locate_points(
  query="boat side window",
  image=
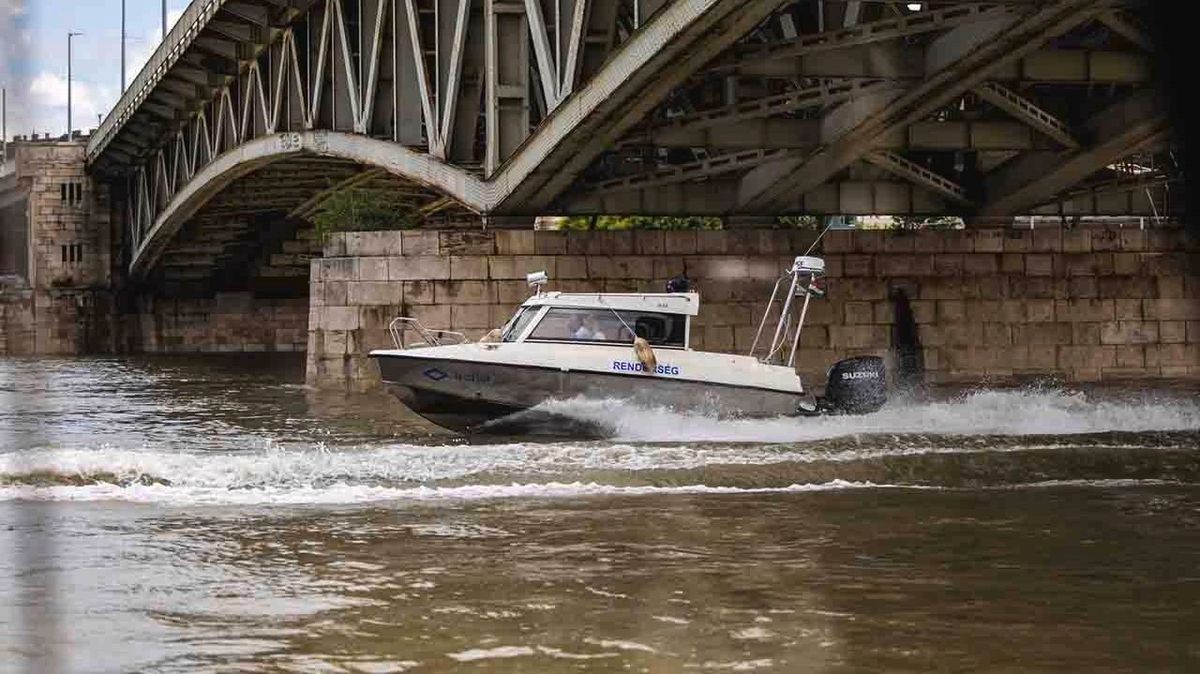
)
(518, 323)
(605, 326)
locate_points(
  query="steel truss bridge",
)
(253, 112)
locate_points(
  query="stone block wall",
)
(1083, 305)
(988, 305)
(227, 323)
(69, 217)
(67, 255)
(16, 320)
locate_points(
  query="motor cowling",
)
(856, 386)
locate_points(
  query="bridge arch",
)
(686, 107)
(417, 167)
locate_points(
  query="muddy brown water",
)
(207, 514)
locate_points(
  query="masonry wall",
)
(16, 320)
(66, 260)
(988, 305)
(228, 323)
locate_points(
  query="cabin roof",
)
(664, 303)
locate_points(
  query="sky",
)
(33, 57)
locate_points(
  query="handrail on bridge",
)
(194, 19)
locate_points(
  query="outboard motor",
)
(855, 386)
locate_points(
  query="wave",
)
(985, 412)
(348, 494)
(656, 451)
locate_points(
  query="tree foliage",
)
(800, 221)
(934, 222)
(365, 209)
(622, 222)
(619, 222)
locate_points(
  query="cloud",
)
(139, 56)
(48, 96)
(14, 63)
(33, 64)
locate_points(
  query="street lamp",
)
(123, 46)
(70, 132)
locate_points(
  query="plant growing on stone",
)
(363, 209)
(936, 222)
(623, 222)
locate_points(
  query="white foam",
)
(620, 645)
(986, 412)
(275, 474)
(345, 494)
(401, 466)
(474, 654)
(389, 465)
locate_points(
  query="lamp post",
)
(70, 132)
(164, 19)
(123, 38)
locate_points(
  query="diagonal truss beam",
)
(706, 168)
(817, 96)
(894, 28)
(1119, 24)
(1133, 125)
(682, 38)
(915, 173)
(962, 59)
(1027, 111)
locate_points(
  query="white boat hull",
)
(465, 386)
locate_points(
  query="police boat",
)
(628, 346)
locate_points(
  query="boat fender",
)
(645, 355)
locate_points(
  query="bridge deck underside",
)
(258, 234)
(668, 107)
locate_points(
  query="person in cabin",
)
(593, 328)
(576, 329)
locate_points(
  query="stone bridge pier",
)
(998, 306)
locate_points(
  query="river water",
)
(173, 515)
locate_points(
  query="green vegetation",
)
(364, 209)
(801, 222)
(617, 222)
(936, 222)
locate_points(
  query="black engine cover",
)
(856, 386)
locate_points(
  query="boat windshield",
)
(606, 326)
(518, 323)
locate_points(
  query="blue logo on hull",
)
(435, 374)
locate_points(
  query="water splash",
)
(657, 451)
(347, 494)
(985, 412)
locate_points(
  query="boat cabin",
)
(662, 319)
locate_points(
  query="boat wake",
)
(985, 439)
(984, 412)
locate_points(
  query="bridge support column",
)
(996, 305)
